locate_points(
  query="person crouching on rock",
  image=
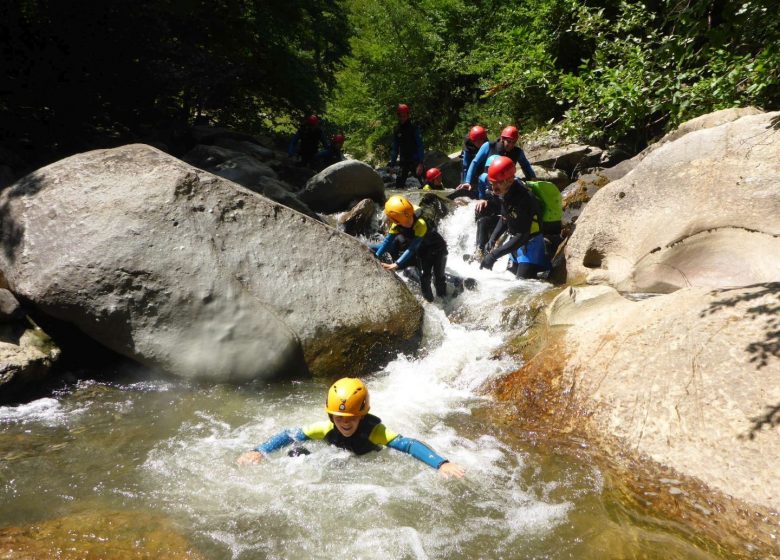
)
(520, 212)
(424, 246)
(433, 180)
(351, 427)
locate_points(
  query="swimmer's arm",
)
(283, 439)
(380, 435)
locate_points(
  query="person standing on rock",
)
(407, 148)
(307, 141)
(520, 215)
(424, 246)
(476, 137)
(505, 146)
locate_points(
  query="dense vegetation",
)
(608, 71)
(83, 74)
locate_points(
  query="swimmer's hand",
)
(250, 458)
(451, 469)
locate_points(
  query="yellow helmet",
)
(399, 209)
(347, 397)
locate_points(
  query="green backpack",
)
(549, 198)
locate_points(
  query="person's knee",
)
(526, 270)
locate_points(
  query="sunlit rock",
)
(690, 379)
(698, 211)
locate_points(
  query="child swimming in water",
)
(352, 427)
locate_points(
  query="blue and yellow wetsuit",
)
(370, 435)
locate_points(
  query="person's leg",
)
(485, 227)
(440, 278)
(526, 270)
(426, 266)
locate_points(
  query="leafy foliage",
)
(608, 71)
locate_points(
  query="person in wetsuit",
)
(425, 247)
(520, 215)
(407, 148)
(306, 142)
(351, 427)
(333, 154)
(433, 180)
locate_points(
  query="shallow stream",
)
(142, 448)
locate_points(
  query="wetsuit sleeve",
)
(407, 255)
(511, 245)
(387, 244)
(477, 163)
(525, 165)
(318, 430)
(282, 439)
(482, 186)
(497, 231)
(418, 450)
(420, 147)
(420, 228)
(292, 149)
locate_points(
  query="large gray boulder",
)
(335, 188)
(690, 380)
(698, 211)
(182, 270)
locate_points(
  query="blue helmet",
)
(490, 160)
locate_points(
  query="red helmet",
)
(312, 120)
(477, 133)
(402, 109)
(501, 169)
(510, 132)
(432, 174)
(337, 139)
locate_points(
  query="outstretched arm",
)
(282, 439)
(422, 452)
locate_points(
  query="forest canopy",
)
(80, 75)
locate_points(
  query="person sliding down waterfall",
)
(519, 210)
(425, 247)
(351, 427)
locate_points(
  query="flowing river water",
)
(149, 462)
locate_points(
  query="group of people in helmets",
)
(525, 214)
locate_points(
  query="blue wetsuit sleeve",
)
(418, 450)
(282, 439)
(477, 163)
(292, 149)
(466, 162)
(386, 244)
(407, 255)
(420, 147)
(525, 165)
